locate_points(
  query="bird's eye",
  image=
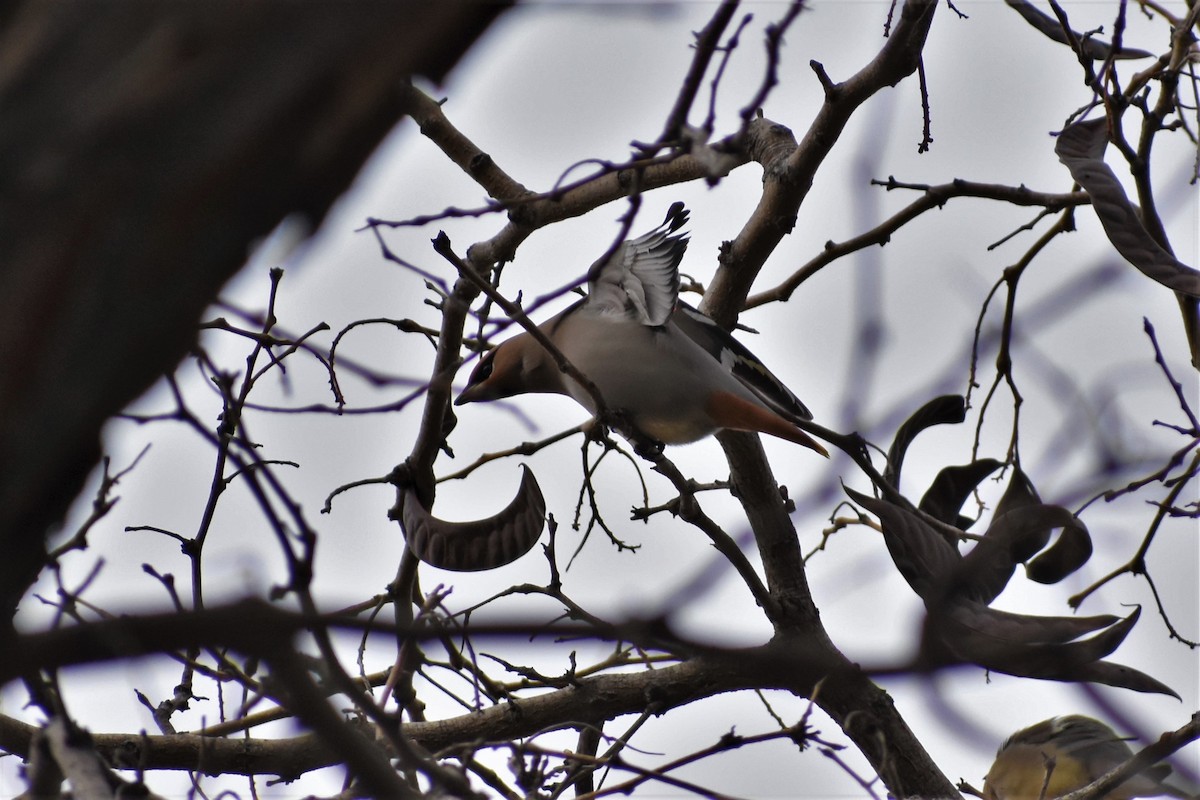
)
(484, 371)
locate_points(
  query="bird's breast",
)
(654, 375)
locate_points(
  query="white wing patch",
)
(736, 359)
(641, 279)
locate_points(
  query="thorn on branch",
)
(829, 87)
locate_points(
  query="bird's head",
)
(516, 366)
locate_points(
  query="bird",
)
(1063, 754)
(666, 368)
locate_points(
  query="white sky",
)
(550, 86)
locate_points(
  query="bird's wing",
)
(739, 361)
(640, 280)
(1077, 732)
(1098, 746)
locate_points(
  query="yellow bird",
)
(1059, 755)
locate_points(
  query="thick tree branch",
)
(788, 176)
(788, 168)
(144, 149)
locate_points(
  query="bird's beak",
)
(474, 393)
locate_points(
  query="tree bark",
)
(145, 148)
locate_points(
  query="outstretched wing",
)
(641, 278)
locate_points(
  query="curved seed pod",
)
(951, 488)
(961, 627)
(950, 409)
(479, 544)
(1047, 648)
(1092, 47)
(1081, 149)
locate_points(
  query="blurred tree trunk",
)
(144, 148)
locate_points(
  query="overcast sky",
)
(552, 85)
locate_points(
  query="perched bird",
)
(1064, 754)
(671, 371)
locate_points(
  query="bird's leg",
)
(645, 446)
(596, 431)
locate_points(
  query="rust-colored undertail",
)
(730, 411)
